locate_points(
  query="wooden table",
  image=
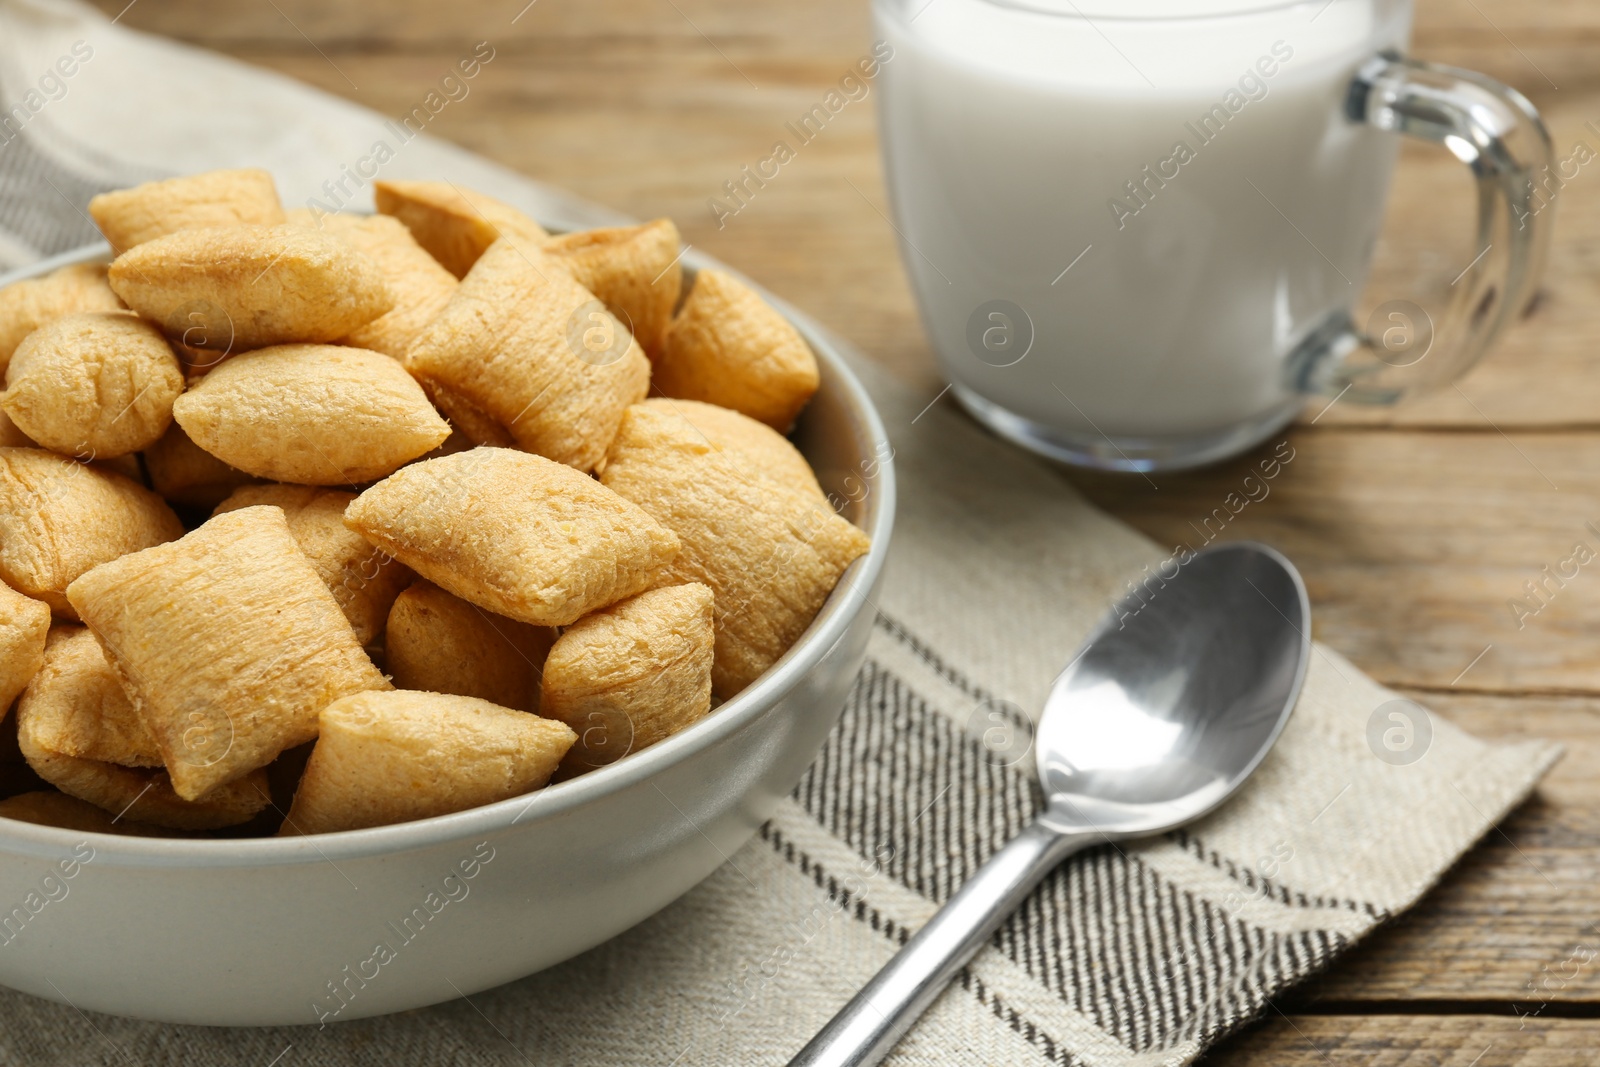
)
(1413, 528)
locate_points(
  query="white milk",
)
(1012, 134)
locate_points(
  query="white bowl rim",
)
(848, 599)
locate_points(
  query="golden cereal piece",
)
(11, 437)
(455, 225)
(24, 628)
(524, 352)
(456, 442)
(632, 674)
(27, 305)
(731, 348)
(228, 643)
(93, 383)
(49, 808)
(58, 518)
(468, 420)
(195, 360)
(141, 794)
(241, 287)
(311, 414)
(127, 466)
(186, 474)
(363, 579)
(130, 217)
(420, 286)
(515, 533)
(393, 757)
(771, 553)
(438, 643)
(633, 269)
(79, 707)
(728, 431)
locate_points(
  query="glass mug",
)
(1137, 229)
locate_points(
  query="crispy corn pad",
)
(770, 553)
(241, 287)
(311, 414)
(632, 269)
(130, 217)
(59, 518)
(392, 757)
(93, 383)
(24, 630)
(438, 643)
(79, 707)
(184, 473)
(632, 674)
(455, 225)
(515, 533)
(195, 359)
(11, 437)
(523, 353)
(145, 796)
(727, 430)
(49, 808)
(127, 466)
(363, 579)
(227, 641)
(420, 286)
(27, 305)
(730, 347)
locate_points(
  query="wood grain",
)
(1413, 546)
(1410, 1041)
(1415, 527)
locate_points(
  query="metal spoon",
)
(1171, 704)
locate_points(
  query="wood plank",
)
(1414, 546)
(1510, 24)
(239, 26)
(1516, 19)
(1409, 1041)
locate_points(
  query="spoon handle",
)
(877, 1017)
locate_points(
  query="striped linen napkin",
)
(1139, 954)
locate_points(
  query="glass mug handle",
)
(1495, 131)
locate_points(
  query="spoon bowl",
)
(1158, 719)
(1172, 703)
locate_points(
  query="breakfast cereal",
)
(228, 643)
(731, 348)
(438, 643)
(514, 533)
(130, 217)
(632, 674)
(311, 414)
(93, 383)
(59, 518)
(392, 757)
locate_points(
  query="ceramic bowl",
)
(266, 931)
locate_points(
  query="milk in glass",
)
(1170, 192)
